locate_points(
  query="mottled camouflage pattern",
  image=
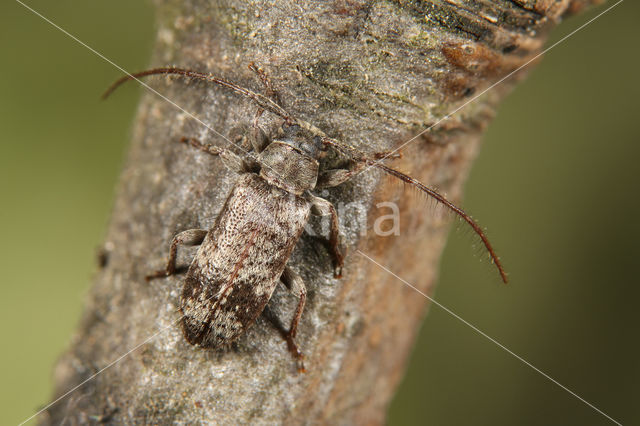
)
(239, 264)
(244, 255)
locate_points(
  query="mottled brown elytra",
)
(243, 257)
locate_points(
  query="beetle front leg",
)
(258, 139)
(322, 207)
(335, 177)
(205, 147)
(231, 161)
(190, 237)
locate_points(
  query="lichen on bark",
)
(371, 73)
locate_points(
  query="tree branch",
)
(370, 73)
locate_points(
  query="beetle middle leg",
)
(322, 207)
(190, 237)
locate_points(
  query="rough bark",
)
(371, 73)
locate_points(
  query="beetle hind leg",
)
(295, 284)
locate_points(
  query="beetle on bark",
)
(243, 257)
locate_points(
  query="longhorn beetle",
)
(244, 255)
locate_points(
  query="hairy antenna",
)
(355, 154)
(260, 100)
(457, 210)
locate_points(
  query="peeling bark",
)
(371, 73)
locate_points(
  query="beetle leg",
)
(205, 147)
(257, 137)
(190, 237)
(232, 161)
(322, 207)
(334, 177)
(295, 284)
(266, 81)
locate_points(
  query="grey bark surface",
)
(371, 73)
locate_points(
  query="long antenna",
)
(260, 100)
(457, 210)
(355, 154)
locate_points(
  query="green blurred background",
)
(556, 184)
